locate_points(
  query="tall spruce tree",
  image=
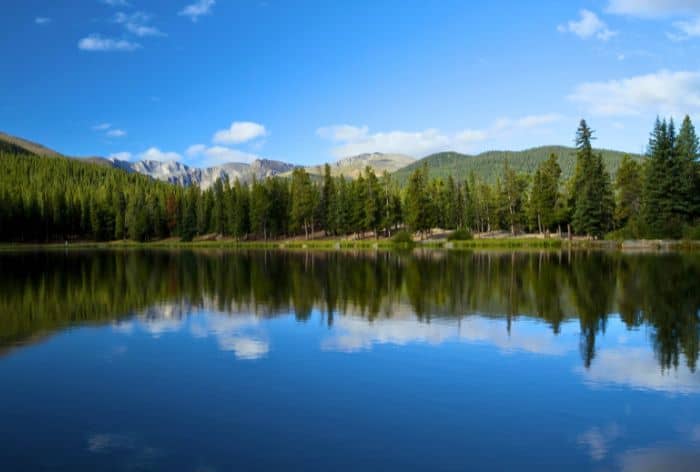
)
(628, 186)
(303, 201)
(327, 204)
(417, 201)
(513, 198)
(592, 198)
(545, 195)
(664, 207)
(688, 151)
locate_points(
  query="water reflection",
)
(371, 298)
(636, 367)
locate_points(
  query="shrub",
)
(692, 232)
(403, 238)
(460, 235)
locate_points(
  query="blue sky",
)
(210, 81)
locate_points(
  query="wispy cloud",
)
(122, 156)
(599, 440)
(109, 130)
(102, 126)
(587, 27)
(637, 368)
(352, 140)
(42, 20)
(663, 92)
(653, 8)
(155, 154)
(197, 9)
(137, 24)
(116, 3)
(116, 133)
(685, 30)
(97, 43)
(239, 132)
(206, 156)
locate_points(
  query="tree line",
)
(56, 199)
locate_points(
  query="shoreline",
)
(627, 246)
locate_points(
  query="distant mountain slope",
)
(353, 165)
(178, 173)
(489, 165)
(15, 145)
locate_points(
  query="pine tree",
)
(592, 198)
(545, 195)
(188, 228)
(372, 204)
(259, 209)
(327, 204)
(303, 201)
(688, 151)
(628, 185)
(218, 215)
(417, 201)
(663, 208)
(513, 195)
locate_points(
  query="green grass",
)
(366, 244)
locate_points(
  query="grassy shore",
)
(372, 244)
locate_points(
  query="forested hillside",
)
(49, 199)
(489, 165)
(13, 144)
(56, 199)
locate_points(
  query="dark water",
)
(217, 361)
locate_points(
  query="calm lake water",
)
(219, 361)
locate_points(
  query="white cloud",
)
(472, 135)
(664, 92)
(587, 27)
(685, 30)
(358, 140)
(109, 131)
(523, 123)
(353, 140)
(116, 133)
(95, 42)
(240, 132)
(195, 150)
(355, 334)
(42, 20)
(197, 9)
(121, 156)
(343, 132)
(137, 24)
(217, 155)
(155, 154)
(653, 8)
(598, 441)
(534, 121)
(637, 368)
(116, 3)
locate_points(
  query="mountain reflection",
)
(369, 298)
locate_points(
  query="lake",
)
(267, 360)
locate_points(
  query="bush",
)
(460, 235)
(634, 229)
(403, 238)
(692, 232)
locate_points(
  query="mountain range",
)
(487, 166)
(178, 173)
